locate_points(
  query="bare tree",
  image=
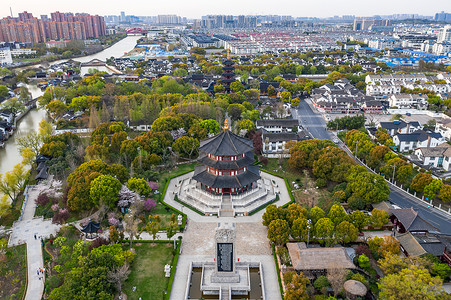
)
(132, 221)
(336, 276)
(118, 275)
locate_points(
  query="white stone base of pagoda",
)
(189, 191)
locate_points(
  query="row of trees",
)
(297, 223)
(384, 160)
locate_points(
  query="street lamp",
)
(393, 178)
(309, 222)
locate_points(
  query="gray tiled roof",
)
(412, 221)
(226, 143)
(236, 181)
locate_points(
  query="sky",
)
(198, 8)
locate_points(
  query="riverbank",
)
(58, 59)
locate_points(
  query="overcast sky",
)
(198, 8)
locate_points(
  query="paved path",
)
(24, 232)
(251, 244)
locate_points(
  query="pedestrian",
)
(37, 272)
(35, 236)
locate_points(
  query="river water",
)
(9, 155)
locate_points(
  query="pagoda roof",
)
(226, 143)
(236, 181)
(228, 164)
(91, 227)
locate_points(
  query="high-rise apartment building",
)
(66, 26)
(444, 34)
(365, 24)
(443, 17)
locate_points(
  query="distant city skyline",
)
(197, 8)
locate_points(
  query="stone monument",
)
(225, 254)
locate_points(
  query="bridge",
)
(136, 30)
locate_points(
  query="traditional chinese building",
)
(229, 75)
(226, 166)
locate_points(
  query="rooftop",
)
(303, 258)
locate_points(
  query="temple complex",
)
(226, 183)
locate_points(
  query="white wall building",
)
(409, 101)
(5, 56)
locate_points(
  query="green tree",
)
(337, 214)
(420, 181)
(236, 87)
(286, 96)
(235, 110)
(358, 219)
(186, 146)
(153, 225)
(295, 102)
(56, 108)
(299, 229)
(430, 190)
(12, 182)
(219, 88)
(4, 92)
(315, 214)
(105, 189)
(278, 231)
(13, 104)
(210, 125)
(411, 283)
(271, 91)
(378, 218)
(370, 187)
(180, 72)
(139, 186)
(445, 193)
(245, 125)
(295, 211)
(364, 262)
(272, 213)
(324, 230)
(346, 232)
(297, 288)
(321, 284)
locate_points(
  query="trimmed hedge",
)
(173, 269)
(163, 194)
(277, 270)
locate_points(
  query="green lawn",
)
(13, 272)
(309, 198)
(147, 271)
(165, 214)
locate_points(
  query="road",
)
(313, 122)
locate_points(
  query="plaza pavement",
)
(24, 232)
(198, 242)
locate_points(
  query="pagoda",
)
(226, 168)
(229, 75)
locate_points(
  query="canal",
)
(9, 155)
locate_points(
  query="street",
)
(315, 124)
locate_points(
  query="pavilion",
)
(226, 182)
